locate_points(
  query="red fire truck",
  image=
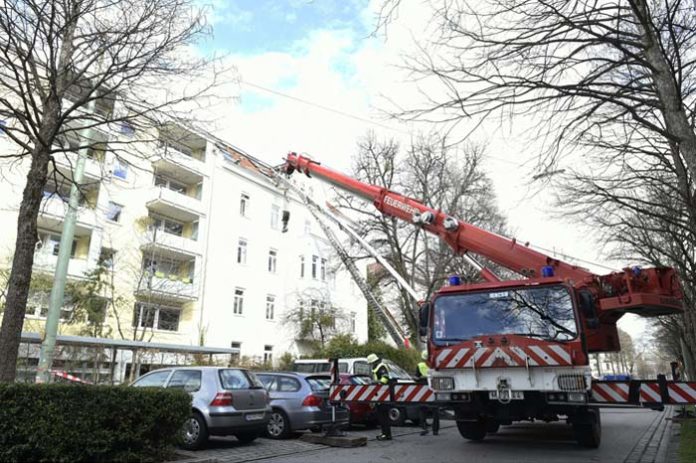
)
(505, 351)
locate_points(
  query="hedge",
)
(345, 346)
(76, 423)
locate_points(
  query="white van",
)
(353, 366)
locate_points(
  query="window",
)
(242, 251)
(270, 307)
(113, 212)
(37, 306)
(127, 129)
(275, 217)
(238, 301)
(323, 270)
(301, 266)
(186, 380)
(267, 354)
(165, 182)
(244, 205)
(167, 268)
(167, 225)
(156, 317)
(106, 257)
(120, 169)
(156, 379)
(272, 260)
(315, 260)
(234, 357)
(352, 322)
(49, 244)
(234, 379)
(287, 384)
(3, 126)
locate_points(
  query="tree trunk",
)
(22, 262)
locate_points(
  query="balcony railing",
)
(169, 286)
(47, 262)
(68, 160)
(179, 158)
(54, 207)
(173, 204)
(160, 238)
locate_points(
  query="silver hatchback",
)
(226, 401)
(299, 402)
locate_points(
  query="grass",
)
(687, 441)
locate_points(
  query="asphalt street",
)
(629, 435)
(532, 442)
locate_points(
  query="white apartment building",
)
(191, 229)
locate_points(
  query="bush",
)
(345, 346)
(66, 423)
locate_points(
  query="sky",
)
(313, 78)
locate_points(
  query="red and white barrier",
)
(406, 393)
(507, 356)
(68, 376)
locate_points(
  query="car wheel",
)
(492, 426)
(246, 437)
(397, 416)
(194, 434)
(278, 426)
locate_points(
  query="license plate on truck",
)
(254, 416)
(514, 395)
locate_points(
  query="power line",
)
(349, 115)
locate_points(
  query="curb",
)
(653, 445)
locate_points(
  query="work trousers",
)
(383, 419)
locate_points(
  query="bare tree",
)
(315, 318)
(440, 176)
(130, 60)
(609, 88)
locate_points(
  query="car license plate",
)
(515, 395)
(254, 416)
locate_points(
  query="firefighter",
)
(425, 410)
(380, 373)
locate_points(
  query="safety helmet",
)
(372, 358)
(424, 355)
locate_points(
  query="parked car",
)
(226, 401)
(359, 413)
(299, 402)
(353, 366)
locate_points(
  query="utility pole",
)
(43, 371)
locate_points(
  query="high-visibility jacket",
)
(381, 373)
(422, 370)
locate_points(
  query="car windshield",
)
(544, 312)
(395, 371)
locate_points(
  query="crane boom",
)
(646, 292)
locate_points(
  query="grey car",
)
(299, 402)
(226, 401)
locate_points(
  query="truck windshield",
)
(544, 312)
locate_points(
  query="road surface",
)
(525, 442)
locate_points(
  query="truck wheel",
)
(492, 426)
(588, 428)
(397, 416)
(472, 430)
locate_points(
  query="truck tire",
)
(472, 430)
(397, 416)
(492, 426)
(587, 427)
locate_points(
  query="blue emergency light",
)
(454, 280)
(547, 271)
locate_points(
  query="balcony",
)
(52, 214)
(67, 160)
(175, 205)
(169, 288)
(77, 268)
(178, 164)
(170, 245)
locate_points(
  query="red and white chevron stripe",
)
(610, 392)
(380, 393)
(68, 376)
(507, 356)
(650, 392)
(682, 393)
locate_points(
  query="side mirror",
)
(586, 302)
(423, 318)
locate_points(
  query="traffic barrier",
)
(403, 393)
(508, 356)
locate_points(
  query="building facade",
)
(188, 233)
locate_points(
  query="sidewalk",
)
(654, 444)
